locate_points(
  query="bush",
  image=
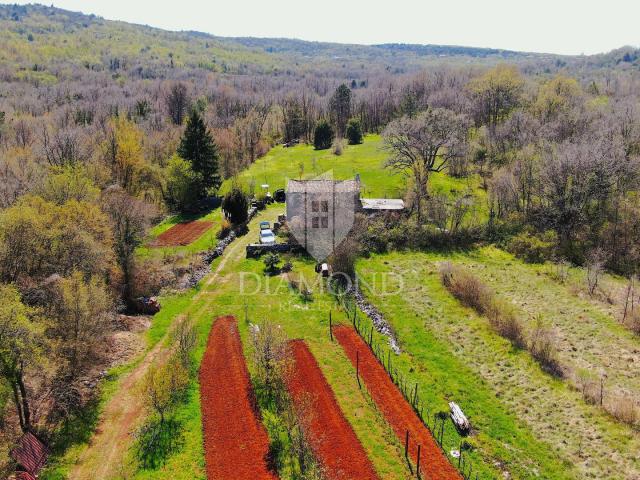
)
(182, 182)
(633, 321)
(323, 135)
(225, 229)
(532, 248)
(354, 131)
(467, 288)
(236, 206)
(623, 408)
(543, 349)
(271, 261)
(473, 293)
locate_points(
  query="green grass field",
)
(534, 425)
(367, 160)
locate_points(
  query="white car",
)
(267, 237)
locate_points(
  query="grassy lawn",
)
(533, 425)
(367, 159)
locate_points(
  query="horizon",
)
(275, 22)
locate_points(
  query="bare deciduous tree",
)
(425, 144)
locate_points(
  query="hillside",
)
(160, 319)
(37, 37)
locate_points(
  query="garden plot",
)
(400, 415)
(235, 441)
(332, 438)
(182, 234)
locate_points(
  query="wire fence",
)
(435, 421)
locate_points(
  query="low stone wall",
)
(255, 250)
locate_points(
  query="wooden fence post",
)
(358, 369)
(406, 444)
(330, 327)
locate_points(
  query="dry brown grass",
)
(623, 408)
(474, 294)
(542, 346)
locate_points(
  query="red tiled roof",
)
(30, 454)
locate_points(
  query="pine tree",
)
(354, 131)
(323, 135)
(198, 148)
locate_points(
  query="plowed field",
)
(235, 441)
(333, 440)
(400, 415)
(182, 234)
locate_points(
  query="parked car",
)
(267, 237)
(265, 226)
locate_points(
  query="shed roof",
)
(30, 453)
(382, 203)
(23, 476)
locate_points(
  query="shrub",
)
(543, 348)
(323, 135)
(466, 288)
(181, 193)
(354, 131)
(532, 248)
(225, 229)
(623, 408)
(633, 321)
(506, 323)
(474, 294)
(236, 206)
(271, 261)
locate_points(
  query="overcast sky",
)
(554, 26)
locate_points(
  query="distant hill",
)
(42, 39)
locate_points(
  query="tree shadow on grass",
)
(77, 429)
(157, 441)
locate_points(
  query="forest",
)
(106, 128)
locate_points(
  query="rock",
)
(379, 322)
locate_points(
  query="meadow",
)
(367, 160)
(534, 423)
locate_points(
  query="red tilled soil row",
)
(235, 441)
(400, 415)
(182, 234)
(332, 439)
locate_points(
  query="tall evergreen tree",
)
(340, 107)
(323, 135)
(198, 148)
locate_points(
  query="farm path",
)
(105, 458)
